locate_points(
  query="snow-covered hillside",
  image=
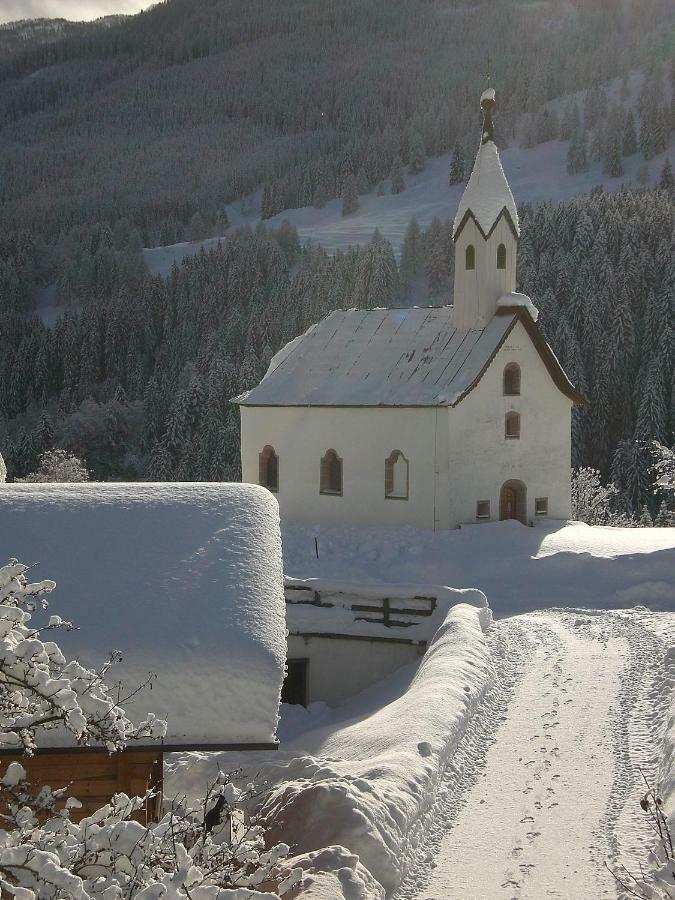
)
(535, 175)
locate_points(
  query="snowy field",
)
(507, 763)
(534, 175)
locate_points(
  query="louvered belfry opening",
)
(268, 469)
(331, 473)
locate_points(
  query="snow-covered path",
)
(546, 788)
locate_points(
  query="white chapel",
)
(431, 417)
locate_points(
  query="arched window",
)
(501, 256)
(470, 257)
(331, 473)
(512, 380)
(396, 476)
(268, 469)
(512, 425)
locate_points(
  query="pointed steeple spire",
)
(487, 193)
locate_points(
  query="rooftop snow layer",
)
(184, 580)
(380, 357)
(516, 299)
(487, 192)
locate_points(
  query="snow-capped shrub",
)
(3, 470)
(664, 468)
(193, 853)
(594, 502)
(58, 466)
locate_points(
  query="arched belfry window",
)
(470, 257)
(268, 469)
(331, 473)
(512, 380)
(501, 256)
(396, 476)
(512, 425)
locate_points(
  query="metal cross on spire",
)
(487, 74)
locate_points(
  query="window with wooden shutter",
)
(268, 469)
(396, 476)
(512, 380)
(331, 474)
(512, 426)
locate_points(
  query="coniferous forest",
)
(135, 132)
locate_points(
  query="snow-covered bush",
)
(664, 468)
(58, 465)
(3, 470)
(191, 854)
(40, 689)
(594, 502)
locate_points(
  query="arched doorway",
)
(513, 501)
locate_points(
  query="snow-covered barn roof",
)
(487, 195)
(185, 580)
(390, 357)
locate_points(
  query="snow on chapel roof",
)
(380, 357)
(487, 193)
(184, 580)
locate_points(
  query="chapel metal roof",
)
(380, 357)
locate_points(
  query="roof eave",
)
(548, 357)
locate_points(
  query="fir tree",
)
(666, 180)
(416, 154)
(350, 200)
(397, 179)
(412, 255)
(457, 166)
(629, 144)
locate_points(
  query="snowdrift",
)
(366, 784)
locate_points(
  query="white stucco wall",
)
(456, 456)
(338, 668)
(363, 438)
(484, 459)
(477, 290)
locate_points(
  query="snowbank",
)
(185, 580)
(365, 782)
(518, 568)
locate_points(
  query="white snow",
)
(518, 568)
(338, 618)
(516, 299)
(365, 777)
(185, 580)
(488, 94)
(380, 357)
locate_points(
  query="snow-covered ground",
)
(508, 763)
(519, 569)
(552, 805)
(535, 174)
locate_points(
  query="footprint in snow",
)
(551, 805)
(516, 851)
(531, 835)
(527, 819)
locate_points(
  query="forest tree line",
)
(137, 379)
